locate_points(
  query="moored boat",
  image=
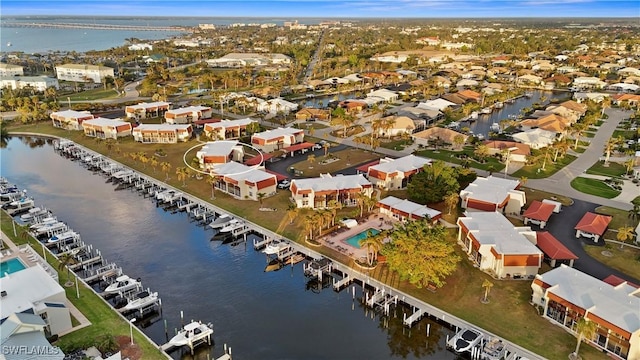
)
(493, 349)
(192, 333)
(122, 283)
(142, 300)
(465, 340)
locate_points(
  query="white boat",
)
(50, 228)
(276, 246)
(191, 333)
(495, 127)
(9, 44)
(43, 222)
(31, 213)
(498, 105)
(122, 283)
(486, 110)
(20, 206)
(465, 340)
(220, 221)
(63, 237)
(141, 301)
(493, 349)
(232, 225)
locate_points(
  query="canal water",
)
(483, 124)
(260, 315)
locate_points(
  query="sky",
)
(327, 8)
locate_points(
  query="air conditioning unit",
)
(3, 293)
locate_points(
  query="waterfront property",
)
(188, 114)
(219, 152)
(316, 193)
(517, 152)
(70, 119)
(10, 70)
(26, 331)
(311, 114)
(554, 251)
(592, 226)
(244, 182)
(493, 194)
(567, 295)
(161, 133)
(83, 73)
(406, 210)
(228, 129)
(393, 174)
(10, 266)
(33, 290)
(37, 83)
(103, 128)
(276, 139)
(145, 110)
(497, 247)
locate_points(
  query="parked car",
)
(317, 146)
(284, 184)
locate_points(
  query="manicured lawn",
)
(613, 169)
(534, 194)
(579, 149)
(91, 95)
(104, 320)
(589, 134)
(395, 144)
(625, 134)
(346, 158)
(626, 260)
(491, 164)
(536, 172)
(620, 217)
(594, 187)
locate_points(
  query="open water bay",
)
(260, 315)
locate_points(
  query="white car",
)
(284, 184)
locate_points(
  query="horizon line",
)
(323, 17)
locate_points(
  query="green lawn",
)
(624, 133)
(594, 187)
(626, 260)
(579, 149)
(95, 94)
(613, 169)
(491, 164)
(589, 134)
(620, 217)
(393, 144)
(536, 172)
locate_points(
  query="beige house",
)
(219, 152)
(103, 128)
(146, 110)
(10, 70)
(161, 133)
(398, 125)
(392, 174)
(83, 73)
(277, 139)
(188, 114)
(229, 129)
(70, 119)
(316, 193)
(244, 182)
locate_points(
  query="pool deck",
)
(337, 240)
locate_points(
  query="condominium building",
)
(83, 73)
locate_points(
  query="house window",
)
(305, 195)
(305, 202)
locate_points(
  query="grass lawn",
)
(613, 169)
(104, 320)
(624, 133)
(394, 144)
(346, 158)
(589, 134)
(626, 260)
(533, 194)
(594, 187)
(491, 164)
(536, 172)
(91, 95)
(579, 149)
(620, 217)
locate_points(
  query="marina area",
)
(166, 238)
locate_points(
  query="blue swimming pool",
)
(355, 239)
(11, 266)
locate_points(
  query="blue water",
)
(10, 266)
(261, 315)
(355, 239)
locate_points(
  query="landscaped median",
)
(104, 319)
(594, 187)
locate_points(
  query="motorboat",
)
(32, 213)
(141, 301)
(220, 221)
(493, 349)
(486, 110)
(495, 127)
(232, 225)
(64, 237)
(276, 246)
(43, 222)
(191, 333)
(465, 340)
(273, 265)
(50, 228)
(122, 283)
(498, 105)
(20, 206)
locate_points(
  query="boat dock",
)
(377, 295)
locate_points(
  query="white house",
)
(405, 210)
(188, 114)
(244, 182)
(145, 110)
(274, 106)
(536, 138)
(384, 94)
(493, 194)
(83, 73)
(277, 139)
(103, 128)
(316, 193)
(37, 83)
(219, 152)
(24, 332)
(10, 70)
(588, 82)
(162, 133)
(141, 46)
(229, 129)
(438, 104)
(69, 119)
(392, 174)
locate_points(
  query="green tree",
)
(625, 233)
(481, 151)
(373, 244)
(421, 253)
(611, 145)
(451, 200)
(585, 330)
(64, 261)
(433, 183)
(487, 285)
(165, 166)
(181, 175)
(292, 213)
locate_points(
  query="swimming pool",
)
(355, 239)
(11, 266)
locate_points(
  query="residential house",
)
(592, 226)
(33, 290)
(498, 247)
(188, 114)
(631, 100)
(276, 139)
(10, 70)
(162, 133)
(437, 104)
(307, 114)
(103, 128)
(554, 251)
(384, 95)
(493, 194)
(538, 213)
(566, 295)
(421, 117)
(70, 119)
(398, 125)
(219, 152)
(437, 134)
(392, 174)
(37, 83)
(244, 182)
(229, 129)
(316, 193)
(23, 336)
(277, 105)
(536, 138)
(470, 96)
(517, 152)
(145, 110)
(588, 82)
(454, 98)
(405, 210)
(238, 60)
(352, 106)
(83, 73)
(528, 80)
(552, 122)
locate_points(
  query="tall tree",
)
(433, 183)
(166, 167)
(611, 145)
(487, 285)
(373, 244)
(421, 253)
(451, 200)
(625, 233)
(585, 330)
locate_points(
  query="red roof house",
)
(554, 249)
(592, 226)
(538, 213)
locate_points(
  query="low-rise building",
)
(188, 114)
(316, 193)
(538, 213)
(70, 119)
(406, 210)
(37, 83)
(162, 133)
(244, 182)
(517, 152)
(103, 128)
(498, 247)
(10, 70)
(277, 139)
(34, 291)
(312, 114)
(229, 129)
(393, 174)
(567, 295)
(145, 110)
(536, 138)
(219, 152)
(83, 73)
(21, 332)
(238, 60)
(493, 194)
(592, 226)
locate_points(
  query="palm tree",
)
(610, 146)
(165, 166)
(292, 213)
(261, 197)
(487, 285)
(213, 180)
(624, 233)
(309, 223)
(66, 260)
(606, 103)
(153, 161)
(326, 147)
(451, 200)
(311, 159)
(585, 329)
(181, 175)
(373, 244)
(577, 129)
(144, 159)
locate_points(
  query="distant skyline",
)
(328, 8)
